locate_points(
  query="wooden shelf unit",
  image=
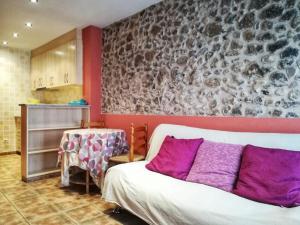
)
(30, 151)
(42, 128)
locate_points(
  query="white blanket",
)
(159, 199)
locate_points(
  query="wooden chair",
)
(138, 144)
(95, 124)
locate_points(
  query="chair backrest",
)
(94, 124)
(139, 141)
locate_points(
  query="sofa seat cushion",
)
(216, 164)
(175, 157)
(160, 199)
(270, 175)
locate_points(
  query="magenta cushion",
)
(216, 165)
(270, 176)
(175, 157)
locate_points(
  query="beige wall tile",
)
(14, 89)
(62, 95)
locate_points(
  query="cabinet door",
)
(41, 65)
(51, 70)
(54, 70)
(33, 73)
(65, 66)
(38, 73)
(70, 61)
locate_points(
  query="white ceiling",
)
(51, 18)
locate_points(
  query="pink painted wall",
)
(92, 64)
(276, 125)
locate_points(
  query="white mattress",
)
(160, 199)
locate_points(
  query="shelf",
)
(43, 131)
(54, 128)
(62, 106)
(79, 178)
(45, 172)
(33, 151)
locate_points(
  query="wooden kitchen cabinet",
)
(58, 64)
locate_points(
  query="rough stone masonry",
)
(205, 57)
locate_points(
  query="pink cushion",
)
(216, 164)
(270, 176)
(175, 157)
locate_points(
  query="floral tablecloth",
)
(90, 149)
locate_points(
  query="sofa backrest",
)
(272, 140)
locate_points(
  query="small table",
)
(90, 149)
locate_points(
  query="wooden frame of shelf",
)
(44, 173)
(30, 151)
(55, 128)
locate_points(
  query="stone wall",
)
(205, 57)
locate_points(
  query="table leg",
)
(87, 182)
(102, 181)
(62, 168)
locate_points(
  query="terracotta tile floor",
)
(43, 202)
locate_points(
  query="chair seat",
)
(124, 158)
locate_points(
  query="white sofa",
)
(159, 199)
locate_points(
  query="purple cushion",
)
(270, 176)
(216, 164)
(175, 157)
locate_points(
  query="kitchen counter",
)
(54, 106)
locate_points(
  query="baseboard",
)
(9, 153)
(56, 174)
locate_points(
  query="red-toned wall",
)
(276, 125)
(92, 64)
(92, 49)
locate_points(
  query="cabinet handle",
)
(51, 81)
(66, 78)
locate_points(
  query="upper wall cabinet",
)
(57, 63)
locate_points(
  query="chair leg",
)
(87, 182)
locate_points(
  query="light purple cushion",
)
(175, 157)
(270, 176)
(216, 164)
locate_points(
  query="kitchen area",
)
(50, 74)
(36, 87)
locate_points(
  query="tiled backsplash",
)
(14, 89)
(62, 95)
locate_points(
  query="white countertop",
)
(54, 106)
